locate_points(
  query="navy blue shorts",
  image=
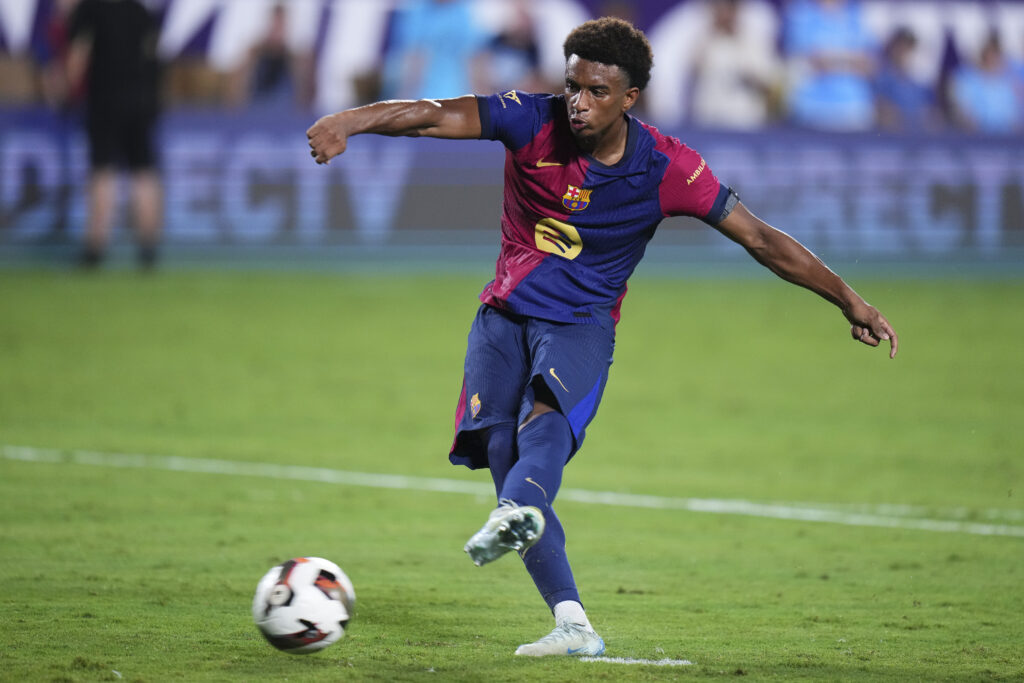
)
(505, 354)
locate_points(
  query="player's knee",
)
(500, 445)
(539, 408)
(543, 402)
(545, 428)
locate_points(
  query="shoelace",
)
(504, 505)
(570, 629)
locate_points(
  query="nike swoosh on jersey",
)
(543, 164)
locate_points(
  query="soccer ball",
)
(303, 605)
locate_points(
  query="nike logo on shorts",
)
(552, 373)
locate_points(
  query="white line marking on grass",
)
(884, 516)
(630, 660)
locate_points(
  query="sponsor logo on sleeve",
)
(512, 96)
(696, 174)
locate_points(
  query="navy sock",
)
(544, 445)
(501, 453)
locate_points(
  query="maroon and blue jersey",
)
(574, 229)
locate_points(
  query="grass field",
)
(724, 395)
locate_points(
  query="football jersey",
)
(572, 228)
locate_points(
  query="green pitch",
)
(724, 394)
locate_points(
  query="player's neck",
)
(611, 147)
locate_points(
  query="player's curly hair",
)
(615, 42)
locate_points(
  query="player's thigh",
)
(572, 362)
(496, 368)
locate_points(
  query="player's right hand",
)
(327, 138)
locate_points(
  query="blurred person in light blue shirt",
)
(432, 49)
(904, 102)
(830, 54)
(512, 56)
(985, 95)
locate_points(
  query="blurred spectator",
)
(511, 59)
(349, 67)
(1018, 71)
(984, 95)
(276, 70)
(19, 73)
(623, 9)
(903, 102)
(433, 46)
(735, 72)
(830, 57)
(113, 48)
(1017, 60)
(51, 57)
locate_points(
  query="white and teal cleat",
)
(567, 639)
(509, 527)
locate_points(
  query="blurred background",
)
(885, 129)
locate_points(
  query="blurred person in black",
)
(113, 49)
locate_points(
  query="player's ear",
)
(630, 98)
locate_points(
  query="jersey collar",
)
(623, 166)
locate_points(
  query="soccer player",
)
(586, 184)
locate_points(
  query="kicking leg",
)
(511, 526)
(544, 444)
(527, 471)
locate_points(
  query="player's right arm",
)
(456, 118)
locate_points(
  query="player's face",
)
(596, 96)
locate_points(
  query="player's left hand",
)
(870, 327)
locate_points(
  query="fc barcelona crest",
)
(576, 199)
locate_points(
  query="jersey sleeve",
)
(689, 188)
(510, 117)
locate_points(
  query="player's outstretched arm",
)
(791, 261)
(451, 118)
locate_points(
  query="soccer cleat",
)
(510, 527)
(566, 639)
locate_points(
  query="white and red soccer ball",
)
(303, 605)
